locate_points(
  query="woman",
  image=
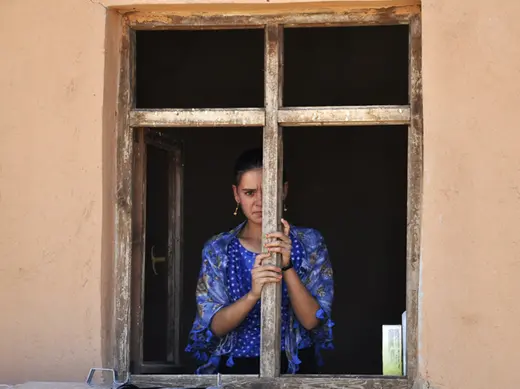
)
(225, 337)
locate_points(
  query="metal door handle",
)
(155, 260)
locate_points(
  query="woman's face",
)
(248, 194)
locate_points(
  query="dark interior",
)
(346, 66)
(156, 283)
(224, 68)
(347, 182)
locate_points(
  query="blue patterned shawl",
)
(315, 272)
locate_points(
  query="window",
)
(279, 94)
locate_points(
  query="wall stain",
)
(85, 216)
(470, 319)
(71, 88)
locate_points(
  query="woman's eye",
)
(249, 193)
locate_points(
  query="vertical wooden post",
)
(174, 254)
(123, 222)
(272, 198)
(415, 174)
(138, 249)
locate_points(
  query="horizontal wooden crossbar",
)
(285, 382)
(344, 116)
(255, 117)
(353, 16)
(244, 117)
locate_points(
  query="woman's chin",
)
(256, 217)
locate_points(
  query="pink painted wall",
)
(470, 327)
(51, 98)
(56, 167)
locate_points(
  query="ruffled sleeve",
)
(211, 296)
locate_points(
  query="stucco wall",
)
(55, 171)
(51, 91)
(470, 323)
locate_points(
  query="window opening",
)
(405, 168)
(353, 190)
(346, 66)
(200, 69)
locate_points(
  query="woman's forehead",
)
(251, 177)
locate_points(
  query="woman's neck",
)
(251, 237)
(252, 231)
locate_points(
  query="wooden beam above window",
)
(351, 17)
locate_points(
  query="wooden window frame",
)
(145, 137)
(272, 117)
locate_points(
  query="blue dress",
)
(225, 277)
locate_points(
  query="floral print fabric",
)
(225, 277)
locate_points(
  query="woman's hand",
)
(230, 317)
(282, 244)
(261, 275)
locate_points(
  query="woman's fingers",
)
(263, 281)
(280, 250)
(266, 277)
(283, 238)
(286, 227)
(266, 268)
(279, 235)
(259, 258)
(266, 272)
(272, 277)
(279, 243)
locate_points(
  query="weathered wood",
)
(272, 200)
(349, 17)
(285, 381)
(171, 306)
(160, 139)
(174, 254)
(174, 381)
(314, 382)
(123, 207)
(297, 116)
(344, 116)
(179, 236)
(243, 117)
(415, 179)
(161, 368)
(138, 249)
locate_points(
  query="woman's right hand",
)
(261, 275)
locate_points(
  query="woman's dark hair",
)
(249, 160)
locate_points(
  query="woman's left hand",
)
(282, 243)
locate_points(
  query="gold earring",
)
(236, 210)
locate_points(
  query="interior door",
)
(156, 267)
